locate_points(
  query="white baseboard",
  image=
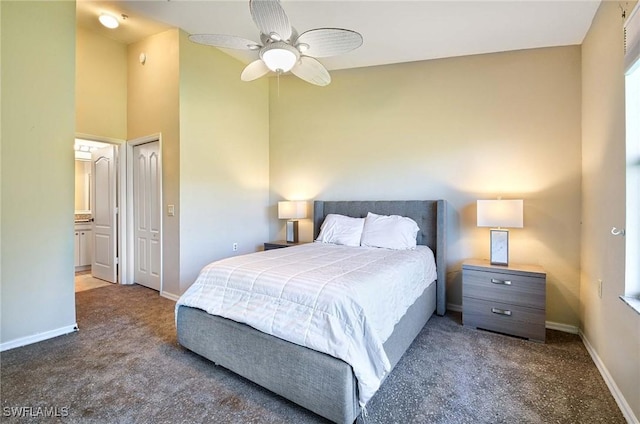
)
(170, 296)
(566, 328)
(23, 341)
(626, 410)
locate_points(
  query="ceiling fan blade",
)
(311, 71)
(225, 41)
(270, 18)
(323, 42)
(254, 70)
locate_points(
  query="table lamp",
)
(292, 210)
(500, 214)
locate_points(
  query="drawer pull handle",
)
(504, 282)
(501, 311)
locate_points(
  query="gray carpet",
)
(124, 366)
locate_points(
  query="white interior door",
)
(146, 214)
(103, 208)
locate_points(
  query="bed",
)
(317, 381)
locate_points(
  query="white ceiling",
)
(394, 30)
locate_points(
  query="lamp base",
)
(292, 231)
(500, 247)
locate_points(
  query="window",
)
(632, 106)
(632, 88)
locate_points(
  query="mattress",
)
(342, 301)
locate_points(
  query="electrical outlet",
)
(235, 247)
(600, 288)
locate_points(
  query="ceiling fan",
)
(281, 48)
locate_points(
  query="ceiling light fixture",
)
(109, 21)
(279, 56)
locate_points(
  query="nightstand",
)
(279, 244)
(506, 299)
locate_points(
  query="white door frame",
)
(120, 196)
(130, 253)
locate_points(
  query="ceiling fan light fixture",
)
(281, 48)
(109, 21)
(279, 56)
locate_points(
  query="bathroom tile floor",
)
(85, 281)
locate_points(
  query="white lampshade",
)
(500, 213)
(279, 56)
(292, 209)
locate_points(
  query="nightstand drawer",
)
(271, 246)
(505, 318)
(513, 289)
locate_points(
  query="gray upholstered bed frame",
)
(314, 380)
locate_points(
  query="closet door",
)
(147, 215)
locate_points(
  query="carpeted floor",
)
(125, 366)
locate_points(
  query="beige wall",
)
(1, 72)
(101, 85)
(215, 150)
(224, 159)
(38, 68)
(610, 326)
(460, 129)
(153, 107)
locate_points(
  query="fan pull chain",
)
(278, 76)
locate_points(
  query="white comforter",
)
(343, 301)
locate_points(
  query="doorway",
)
(133, 247)
(96, 187)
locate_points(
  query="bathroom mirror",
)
(83, 186)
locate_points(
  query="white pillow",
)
(340, 229)
(389, 231)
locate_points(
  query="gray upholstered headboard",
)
(430, 215)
